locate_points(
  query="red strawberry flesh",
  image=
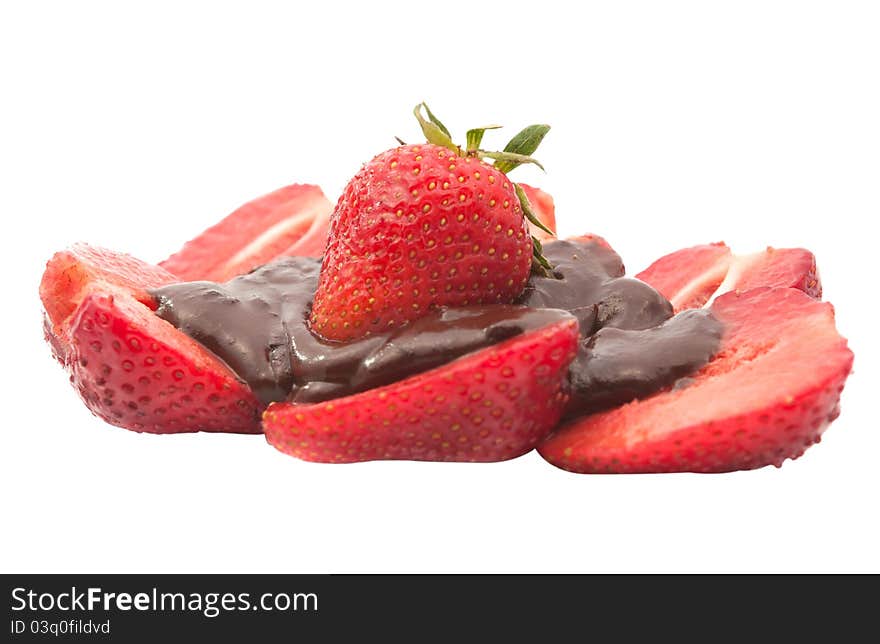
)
(693, 277)
(591, 237)
(491, 405)
(74, 273)
(314, 241)
(790, 267)
(767, 395)
(689, 277)
(258, 232)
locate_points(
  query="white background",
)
(674, 123)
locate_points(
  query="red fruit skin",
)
(492, 405)
(82, 269)
(544, 209)
(688, 277)
(136, 371)
(419, 227)
(256, 233)
(767, 396)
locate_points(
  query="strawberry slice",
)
(789, 267)
(544, 209)
(692, 277)
(57, 346)
(82, 269)
(312, 243)
(256, 233)
(767, 395)
(491, 405)
(592, 237)
(688, 277)
(135, 370)
(132, 368)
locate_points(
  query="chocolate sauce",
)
(248, 320)
(631, 345)
(615, 365)
(589, 282)
(439, 337)
(257, 324)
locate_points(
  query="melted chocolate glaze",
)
(616, 365)
(589, 282)
(257, 323)
(429, 342)
(248, 320)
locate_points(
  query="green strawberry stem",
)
(517, 152)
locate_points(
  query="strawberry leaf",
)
(434, 133)
(436, 121)
(524, 143)
(507, 161)
(475, 136)
(527, 209)
(540, 264)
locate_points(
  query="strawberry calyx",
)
(517, 152)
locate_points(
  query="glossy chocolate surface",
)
(257, 324)
(434, 340)
(589, 282)
(631, 345)
(615, 366)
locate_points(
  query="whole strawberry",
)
(426, 225)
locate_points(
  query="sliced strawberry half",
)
(135, 370)
(789, 267)
(767, 395)
(688, 277)
(256, 233)
(544, 208)
(692, 277)
(491, 405)
(312, 243)
(74, 273)
(591, 237)
(132, 368)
